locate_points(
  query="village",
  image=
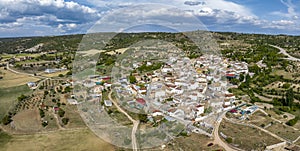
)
(190, 91)
(208, 94)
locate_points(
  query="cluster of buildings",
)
(242, 112)
(91, 88)
(183, 89)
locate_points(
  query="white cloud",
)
(283, 22)
(71, 26)
(47, 13)
(291, 12)
(208, 11)
(287, 25)
(221, 13)
(62, 16)
(11, 10)
(290, 8)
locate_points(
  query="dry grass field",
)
(50, 75)
(74, 116)
(281, 117)
(247, 138)
(8, 97)
(297, 125)
(283, 73)
(274, 114)
(284, 131)
(192, 143)
(260, 119)
(27, 121)
(11, 79)
(121, 51)
(80, 139)
(298, 142)
(90, 52)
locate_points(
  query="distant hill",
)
(121, 40)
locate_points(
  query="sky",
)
(20, 18)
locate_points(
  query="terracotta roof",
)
(229, 95)
(141, 101)
(199, 105)
(230, 75)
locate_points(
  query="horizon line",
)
(141, 32)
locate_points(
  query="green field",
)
(8, 97)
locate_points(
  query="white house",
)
(177, 91)
(199, 109)
(166, 70)
(227, 102)
(149, 63)
(31, 84)
(107, 85)
(193, 97)
(180, 83)
(72, 101)
(142, 90)
(157, 113)
(178, 113)
(160, 94)
(194, 86)
(107, 103)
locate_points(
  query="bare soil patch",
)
(246, 137)
(27, 121)
(192, 143)
(11, 79)
(81, 139)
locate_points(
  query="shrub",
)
(44, 124)
(61, 113)
(22, 97)
(229, 140)
(42, 113)
(65, 121)
(6, 119)
(286, 85)
(292, 122)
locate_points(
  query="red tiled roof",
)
(230, 75)
(106, 78)
(156, 111)
(233, 111)
(229, 95)
(172, 110)
(144, 88)
(141, 101)
(199, 105)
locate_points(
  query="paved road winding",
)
(283, 51)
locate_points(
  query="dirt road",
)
(217, 139)
(135, 122)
